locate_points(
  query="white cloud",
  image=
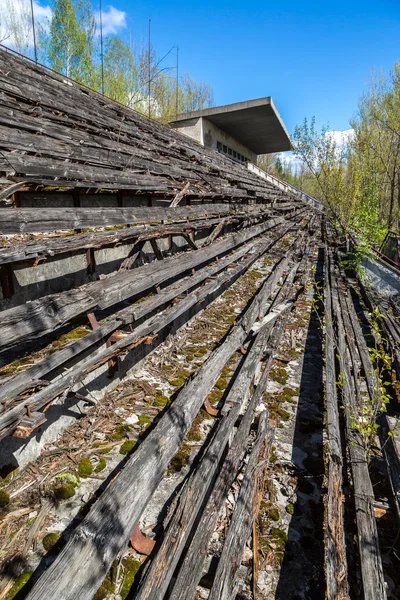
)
(16, 22)
(341, 137)
(113, 20)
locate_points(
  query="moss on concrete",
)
(85, 467)
(290, 509)
(50, 540)
(161, 401)
(101, 465)
(180, 459)
(144, 420)
(131, 567)
(273, 514)
(64, 491)
(279, 375)
(127, 447)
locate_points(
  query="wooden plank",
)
(244, 513)
(190, 572)
(370, 557)
(55, 246)
(389, 448)
(159, 574)
(119, 508)
(336, 560)
(30, 220)
(46, 314)
(149, 328)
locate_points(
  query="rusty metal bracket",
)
(213, 412)
(140, 543)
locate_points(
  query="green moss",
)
(144, 420)
(67, 478)
(190, 357)
(127, 447)
(231, 319)
(221, 384)
(74, 334)
(50, 540)
(194, 433)
(16, 365)
(167, 368)
(131, 567)
(120, 432)
(105, 450)
(8, 478)
(85, 467)
(184, 374)
(279, 536)
(279, 375)
(161, 401)
(215, 395)
(4, 498)
(106, 589)
(101, 466)
(290, 509)
(64, 491)
(19, 583)
(273, 514)
(180, 459)
(206, 416)
(284, 414)
(177, 382)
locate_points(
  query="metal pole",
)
(101, 48)
(34, 32)
(149, 63)
(177, 81)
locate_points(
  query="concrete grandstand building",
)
(241, 131)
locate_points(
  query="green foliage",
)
(119, 70)
(69, 44)
(357, 177)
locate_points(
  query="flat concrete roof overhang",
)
(255, 123)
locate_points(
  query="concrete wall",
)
(212, 135)
(193, 128)
(208, 135)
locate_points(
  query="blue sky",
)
(313, 58)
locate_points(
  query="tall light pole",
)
(177, 81)
(101, 48)
(34, 32)
(149, 67)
